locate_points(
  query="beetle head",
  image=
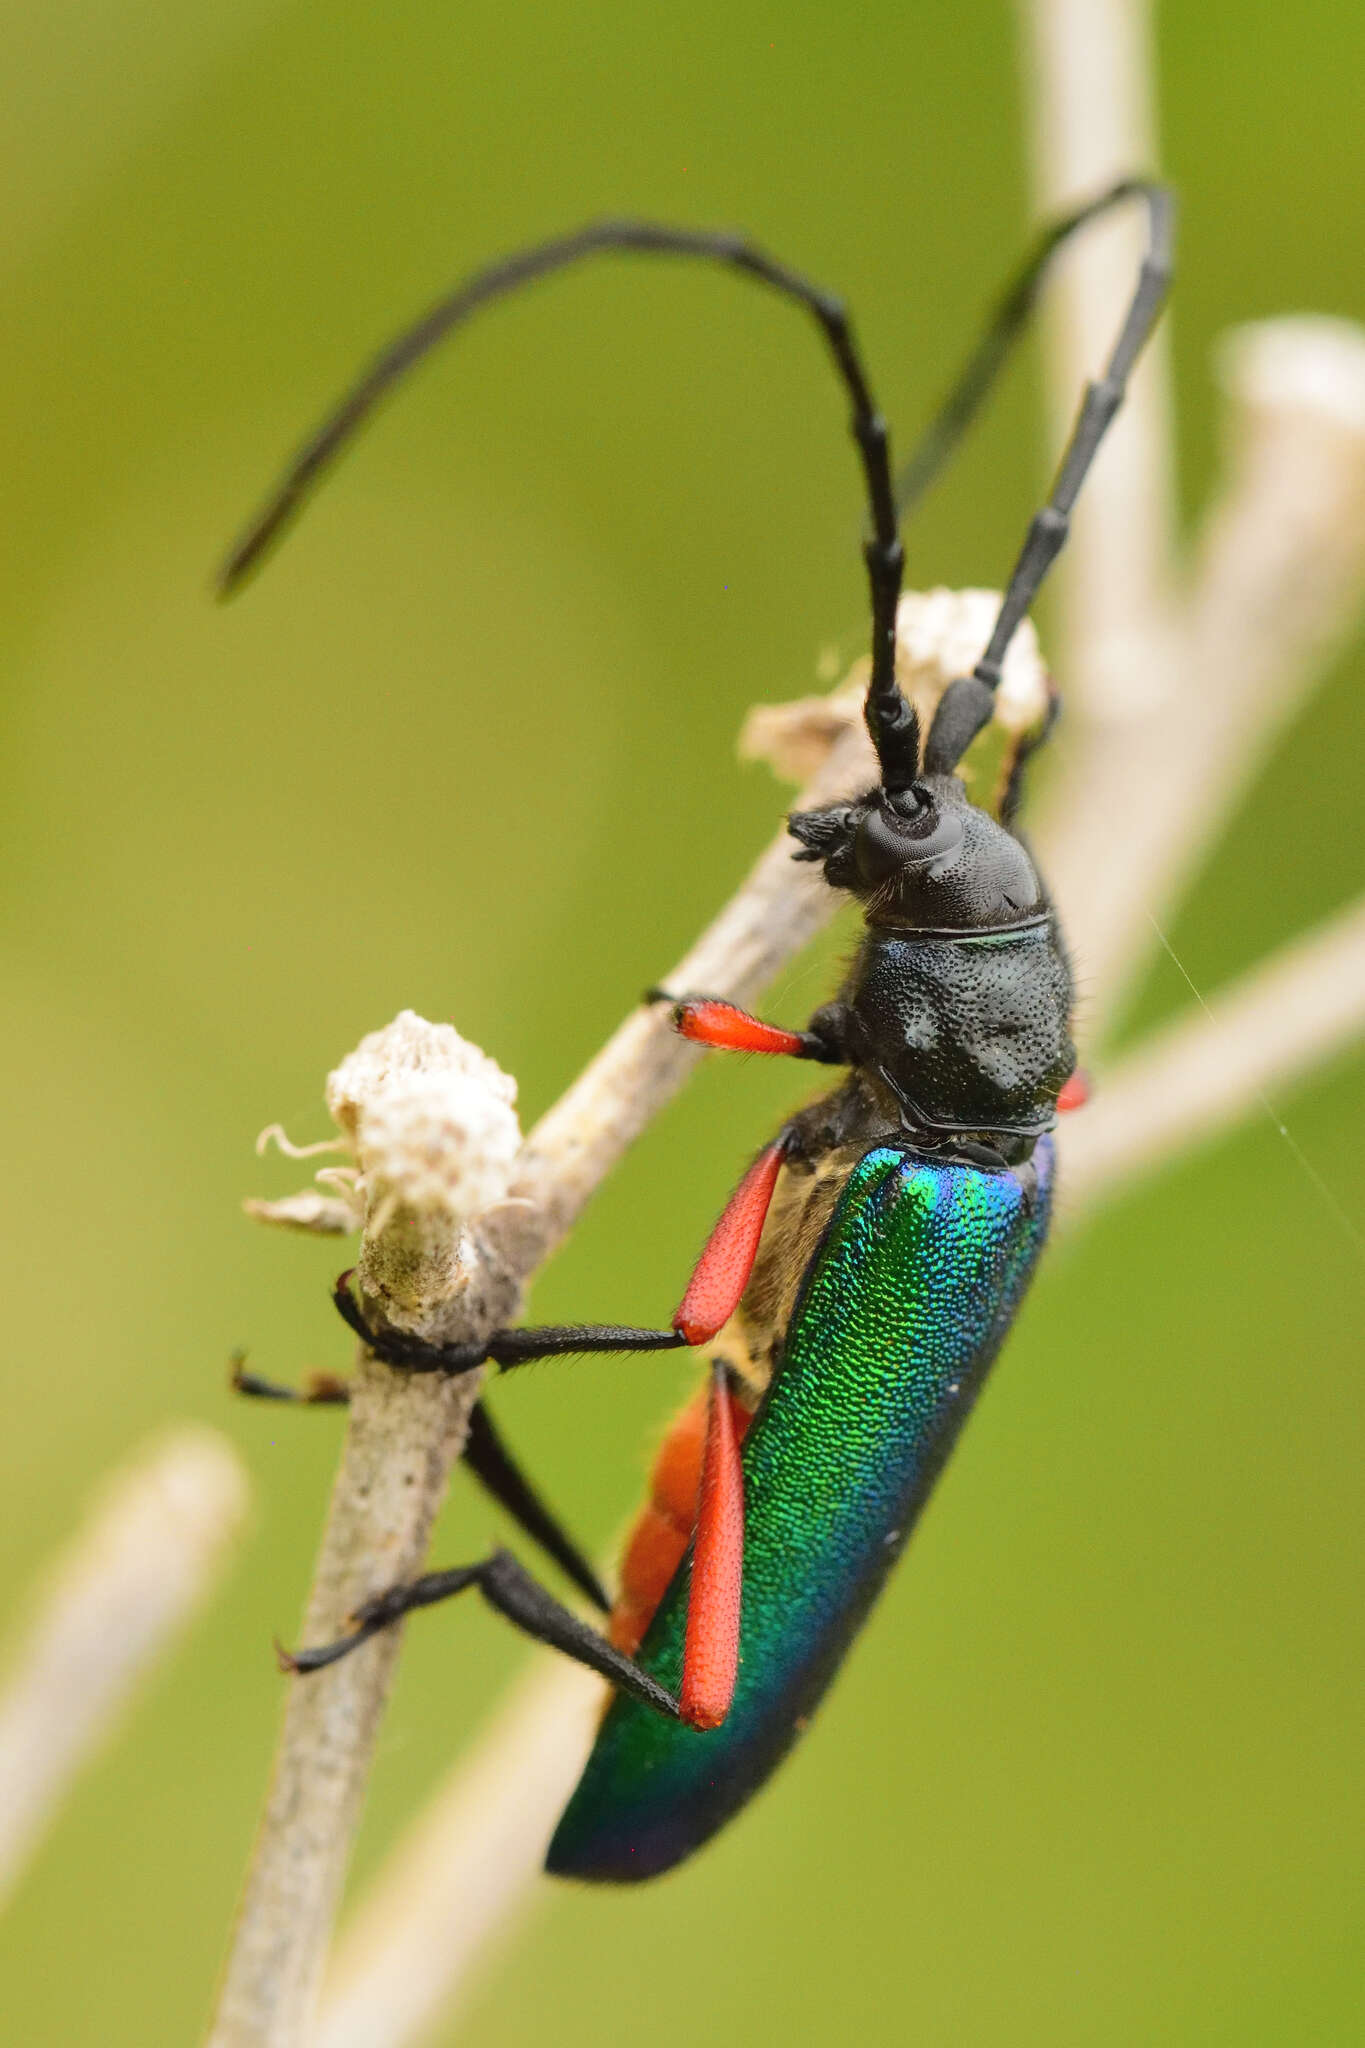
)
(918, 854)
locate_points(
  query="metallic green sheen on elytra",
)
(904, 1308)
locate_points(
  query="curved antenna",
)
(890, 720)
(966, 705)
(1003, 331)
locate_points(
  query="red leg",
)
(711, 1646)
(722, 1272)
(708, 1021)
(1075, 1092)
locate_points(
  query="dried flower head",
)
(431, 1119)
(939, 634)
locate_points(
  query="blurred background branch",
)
(1090, 118)
(1178, 679)
(1274, 586)
(145, 1561)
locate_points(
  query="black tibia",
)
(1049, 528)
(510, 1348)
(511, 1590)
(505, 1348)
(319, 1390)
(489, 1459)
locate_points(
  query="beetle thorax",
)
(958, 1007)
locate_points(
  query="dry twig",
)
(1175, 689)
(1202, 1074)
(1089, 106)
(146, 1558)
(1278, 579)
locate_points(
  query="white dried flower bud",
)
(310, 1211)
(940, 634)
(432, 1120)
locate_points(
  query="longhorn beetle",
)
(864, 1273)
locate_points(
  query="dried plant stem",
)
(1278, 579)
(468, 1864)
(1174, 694)
(405, 1433)
(145, 1560)
(463, 1873)
(1091, 119)
(1202, 1074)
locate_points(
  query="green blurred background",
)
(1093, 1775)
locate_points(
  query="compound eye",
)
(895, 836)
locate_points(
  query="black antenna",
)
(1005, 328)
(1049, 528)
(890, 719)
(967, 703)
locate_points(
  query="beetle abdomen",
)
(904, 1307)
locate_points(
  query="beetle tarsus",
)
(510, 1589)
(319, 1389)
(396, 1347)
(504, 1348)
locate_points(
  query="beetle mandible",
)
(862, 1277)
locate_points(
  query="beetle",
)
(856, 1290)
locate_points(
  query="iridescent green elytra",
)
(904, 1308)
